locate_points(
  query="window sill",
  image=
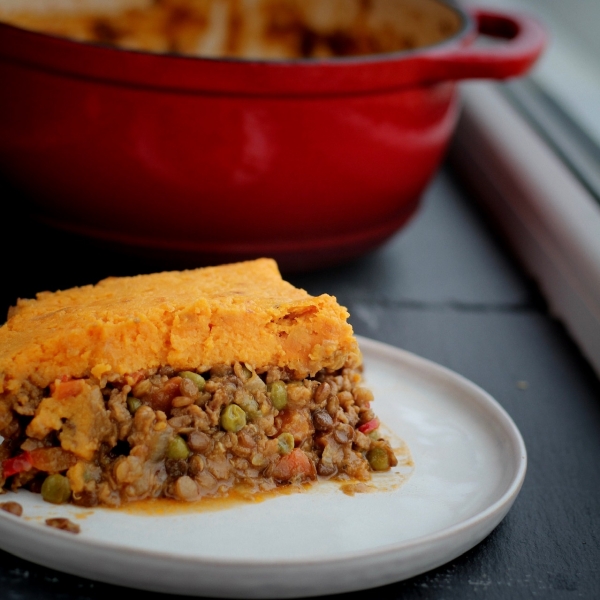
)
(548, 217)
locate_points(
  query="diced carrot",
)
(67, 389)
(294, 464)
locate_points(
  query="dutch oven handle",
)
(525, 40)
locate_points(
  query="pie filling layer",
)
(186, 435)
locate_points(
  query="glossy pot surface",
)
(311, 162)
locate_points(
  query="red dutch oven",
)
(309, 161)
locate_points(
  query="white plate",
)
(469, 464)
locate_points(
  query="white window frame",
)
(551, 220)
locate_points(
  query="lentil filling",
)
(185, 435)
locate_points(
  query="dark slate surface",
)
(446, 289)
(443, 258)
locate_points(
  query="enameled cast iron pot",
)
(212, 160)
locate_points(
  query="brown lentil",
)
(14, 508)
(63, 524)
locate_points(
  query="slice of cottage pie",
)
(182, 385)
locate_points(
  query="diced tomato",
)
(369, 426)
(51, 460)
(294, 464)
(66, 389)
(17, 464)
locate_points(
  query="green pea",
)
(195, 378)
(133, 404)
(177, 448)
(56, 489)
(278, 393)
(233, 418)
(286, 443)
(378, 459)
